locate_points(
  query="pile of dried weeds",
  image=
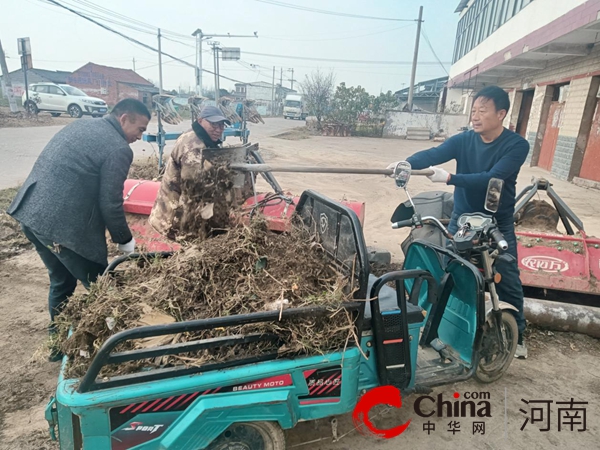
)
(12, 239)
(144, 168)
(246, 270)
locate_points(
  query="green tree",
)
(348, 103)
(384, 102)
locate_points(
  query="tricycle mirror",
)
(402, 173)
(493, 194)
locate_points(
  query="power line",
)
(101, 13)
(111, 19)
(82, 60)
(54, 2)
(101, 9)
(354, 61)
(331, 13)
(337, 39)
(169, 62)
(432, 50)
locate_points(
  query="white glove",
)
(392, 166)
(439, 175)
(128, 247)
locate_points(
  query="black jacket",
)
(75, 189)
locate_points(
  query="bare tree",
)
(318, 92)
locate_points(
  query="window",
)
(73, 91)
(55, 90)
(42, 89)
(510, 9)
(481, 19)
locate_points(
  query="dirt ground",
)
(20, 119)
(561, 366)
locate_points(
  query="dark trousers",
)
(509, 289)
(65, 267)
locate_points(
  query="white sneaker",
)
(521, 351)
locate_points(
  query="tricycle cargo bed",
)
(140, 409)
(340, 235)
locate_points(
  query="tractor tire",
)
(55, 114)
(250, 436)
(492, 364)
(75, 111)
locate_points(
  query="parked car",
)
(62, 98)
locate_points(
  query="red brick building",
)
(112, 84)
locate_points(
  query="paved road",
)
(20, 147)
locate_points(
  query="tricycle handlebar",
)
(402, 224)
(498, 238)
(418, 221)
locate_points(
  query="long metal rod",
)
(316, 169)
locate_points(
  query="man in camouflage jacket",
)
(182, 209)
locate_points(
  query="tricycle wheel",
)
(250, 436)
(494, 363)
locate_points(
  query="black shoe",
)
(55, 354)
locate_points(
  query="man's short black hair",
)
(495, 94)
(130, 106)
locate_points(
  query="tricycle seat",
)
(389, 302)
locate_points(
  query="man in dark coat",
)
(488, 151)
(75, 192)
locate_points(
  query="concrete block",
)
(379, 255)
(582, 182)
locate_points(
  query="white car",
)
(62, 98)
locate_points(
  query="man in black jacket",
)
(75, 192)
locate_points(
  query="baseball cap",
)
(213, 114)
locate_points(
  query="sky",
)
(60, 40)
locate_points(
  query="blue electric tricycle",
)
(433, 327)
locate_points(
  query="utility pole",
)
(411, 89)
(6, 82)
(134, 63)
(24, 52)
(280, 96)
(292, 80)
(160, 80)
(200, 36)
(273, 94)
(216, 64)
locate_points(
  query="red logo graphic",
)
(132, 426)
(383, 395)
(545, 264)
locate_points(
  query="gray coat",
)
(75, 189)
